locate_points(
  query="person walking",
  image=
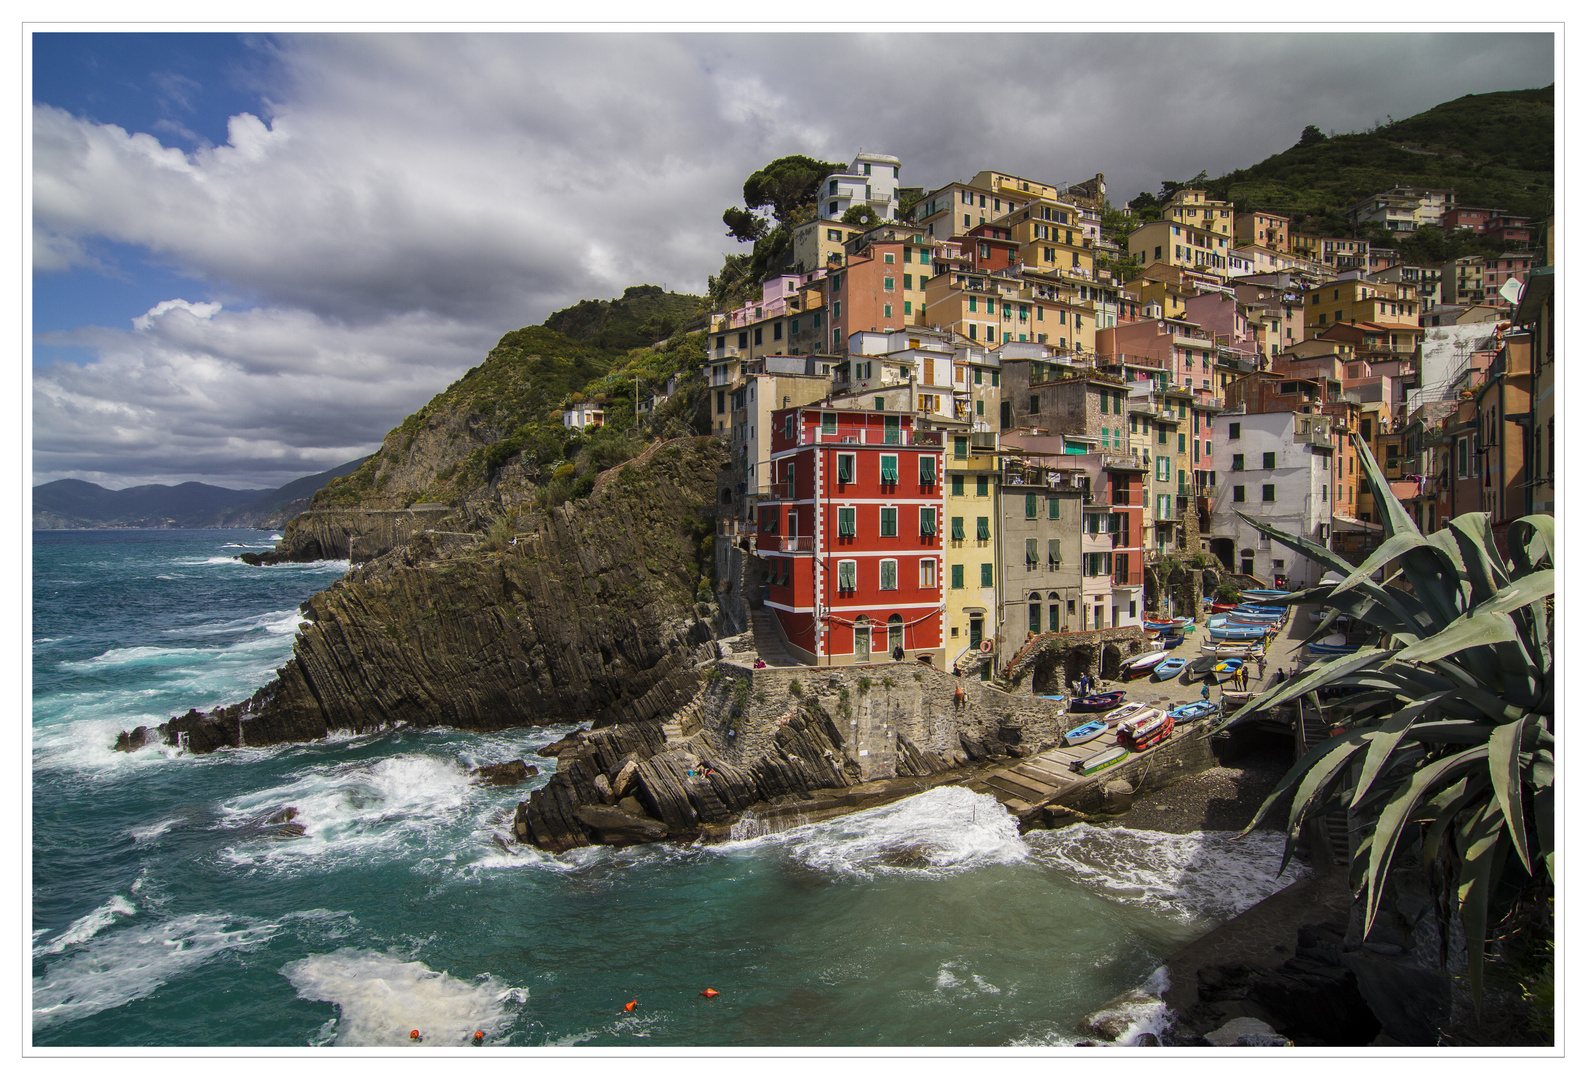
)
(1261, 667)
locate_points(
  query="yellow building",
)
(970, 506)
(1392, 305)
(818, 245)
(1013, 188)
(1191, 207)
(1181, 245)
(1049, 236)
(994, 309)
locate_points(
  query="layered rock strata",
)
(591, 615)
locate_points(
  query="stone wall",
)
(872, 706)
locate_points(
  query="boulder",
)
(630, 805)
(1243, 1027)
(627, 776)
(291, 829)
(506, 773)
(135, 739)
(615, 826)
(603, 787)
(281, 817)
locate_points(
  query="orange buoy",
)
(479, 1038)
(709, 993)
(415, 1036)
(630, 1006)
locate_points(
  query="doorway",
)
(862, 640)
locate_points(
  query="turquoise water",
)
(166, 914)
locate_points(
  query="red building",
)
(853, 536)
(992, 247)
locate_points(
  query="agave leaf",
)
(1291, 689)
(1396, 519)
(1543, 817)
(1435, 580)
(1321, 777)
(1391, 822)
(1460, 635)
(1458, 732)
(1386, 552)
(1483, 840)
(1532, 542)
(1292, 778)
(1384, 739)
(1484, 565)
(1504, 766)
(1523, 590)
(1442, 809)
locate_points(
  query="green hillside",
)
(1493, 149)
(643, 315)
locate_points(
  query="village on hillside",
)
(954, 429)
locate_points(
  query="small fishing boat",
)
(1332, 645)
(1125, 713)
(1097, 702)
(1238, 633)
(1262, 596)
(1227, 669)
(1140, 718)
(1098, 762)
(1245, 650)
(1169, 668)
(1171, 642)
(1194, 710)
(1147, 732)
(1238, 697)
(1084, 733)
(1216, 608)
(1201, 665)
(1140, 665)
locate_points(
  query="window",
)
(887, 257)
(1238, 463)
(961, 448)
(1181, 443)
(776, 331)
(888, 574)
(1055, 557)
(1035, 403)
(1162, 435)
(1239, 493)
(957, 527)
(983, 530)
(846, 574)
(845, 521)
(1267, 492)
(958, 485)
(887, 282)
(845, 468)
(1053, 508)
(743, 340)
(981, 487)
(889, 521)
(757, 334)
(928, 521)
(956, 576)
(891, 436)
(928, 573)
(986, 575)
(889, 468)
(1163, 465)
(1270, 460)
(1234, 431)
(1031, 553)
(877, 402)
(928, 470)
(1030, 506)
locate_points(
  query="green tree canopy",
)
(861, 215)
(787, 184)
(743, 226)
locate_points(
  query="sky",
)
(255, 254)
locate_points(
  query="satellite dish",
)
(1511, 290)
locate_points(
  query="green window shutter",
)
(880, 404)
(958, 528)
(1267, 492)
(928, 470)
(928, 521)
(958, 485)
(1053, 508)
(1030, 505)
(994, 378)
(845, 521)
(980, 487)
(956, 576)
(982, 531)
(1269, 460)
(1055, 556)
(961, 447)
(889, 525)
(909, 307)
(1035, 618)
(889, 574)
(845, 575)
(889, 468)
(986, 575)
(1030, 552)
(1181, 443)
(890, 431)
(845, 468)
(829, 423)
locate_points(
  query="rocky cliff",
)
(591, 612)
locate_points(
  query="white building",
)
(872, 180)
(583, 415)
(1275, 467)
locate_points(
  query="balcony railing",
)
(790, 543)
(862, 436)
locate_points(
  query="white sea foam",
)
(274, 536)
(132, 962)
(949, 980)
(150, 833)
(134, 656)
(945, 830)
(380, 998)
(387, 808)
(1199, 875)
(86, 927)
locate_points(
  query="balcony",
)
(862, 436)
(788, 543)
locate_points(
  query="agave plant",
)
(1450, 717)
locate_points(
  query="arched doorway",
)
(1112, 657)
(862, 640)
(1055, 613)
(895, 637)
(1247, 561)
(1077, 662)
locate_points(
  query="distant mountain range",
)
(78, 504)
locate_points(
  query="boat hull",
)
(1098, 762)
(1097, 702)
(1085, 733)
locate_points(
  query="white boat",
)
(1142, 664)
(1243, 652)
(1141, 721)
(1125, 713)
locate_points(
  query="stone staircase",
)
(768, 641)
(685, 722)
(1336, 825)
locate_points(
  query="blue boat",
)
(1225, 669)
(1169, 668)
(1194, 710)
(1262, 596)
(1085, 733)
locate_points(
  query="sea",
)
(166, 912)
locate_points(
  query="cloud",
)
(418, 195)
